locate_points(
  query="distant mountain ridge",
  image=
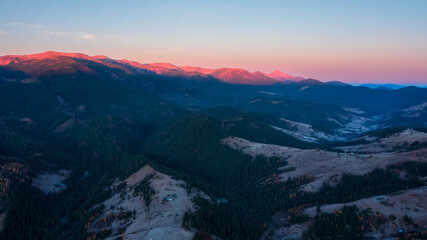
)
(382, 86)
(50, 62)
(281, 76)
(39, 64)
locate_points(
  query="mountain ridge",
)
(227, 75)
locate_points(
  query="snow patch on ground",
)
(412, 109)
(255, 100)
(270, 93)
(305, 132)
(297, 135)
(353, 110)
(51, 182)
(357, 125)
(304, 88)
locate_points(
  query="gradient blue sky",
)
(352, 41)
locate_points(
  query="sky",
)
(364, 41)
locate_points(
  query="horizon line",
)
(356, 84)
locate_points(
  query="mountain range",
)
(39, 64)
(98, 148)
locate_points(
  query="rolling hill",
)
(232, 154)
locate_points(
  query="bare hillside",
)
(127, 215)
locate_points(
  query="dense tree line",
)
(193, 145)
(412, 168)
(191, 149)
(346, 223)
(354, 187)
(250, 185)
(34, 215)
(143, 188)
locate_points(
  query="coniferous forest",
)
(93, 129)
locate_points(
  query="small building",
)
(171, 197)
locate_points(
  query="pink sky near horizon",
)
(390, 70)
(353, 42)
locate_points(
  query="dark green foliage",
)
(408, 220)
(248, 210)
(255, 127)
(313, 113)
(346, 223)
(412, 168)
(193, 145)
(298, 219)
(143, 188)
(113, 113)
(31, 226)
(252, 204)
(104, 234)
(354, 187)
(385, 132)
(187, 220)
(63, 215)
(250, 128)
(288, 169)
(126, 165)
(126, 215)
(421, 129)
(191, 150)
(343, 224)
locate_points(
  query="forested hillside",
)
(73, 126)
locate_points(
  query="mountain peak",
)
(197, 69)
(66, 62)
(242, 76)
(101, 57)
(164, 65)
(46, 55)
(228, 75)
(52, 54)
(281, 76)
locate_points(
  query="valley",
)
(99, 148)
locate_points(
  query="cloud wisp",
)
(87, 36)
(49, 31)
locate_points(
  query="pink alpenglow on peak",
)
(77, 62)
(164, 65)
(46, 55)
(101, 57)
(242, 76)
(198, 69)
(52, 54)
(37, 64)
(159, 68)
(281, 76)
